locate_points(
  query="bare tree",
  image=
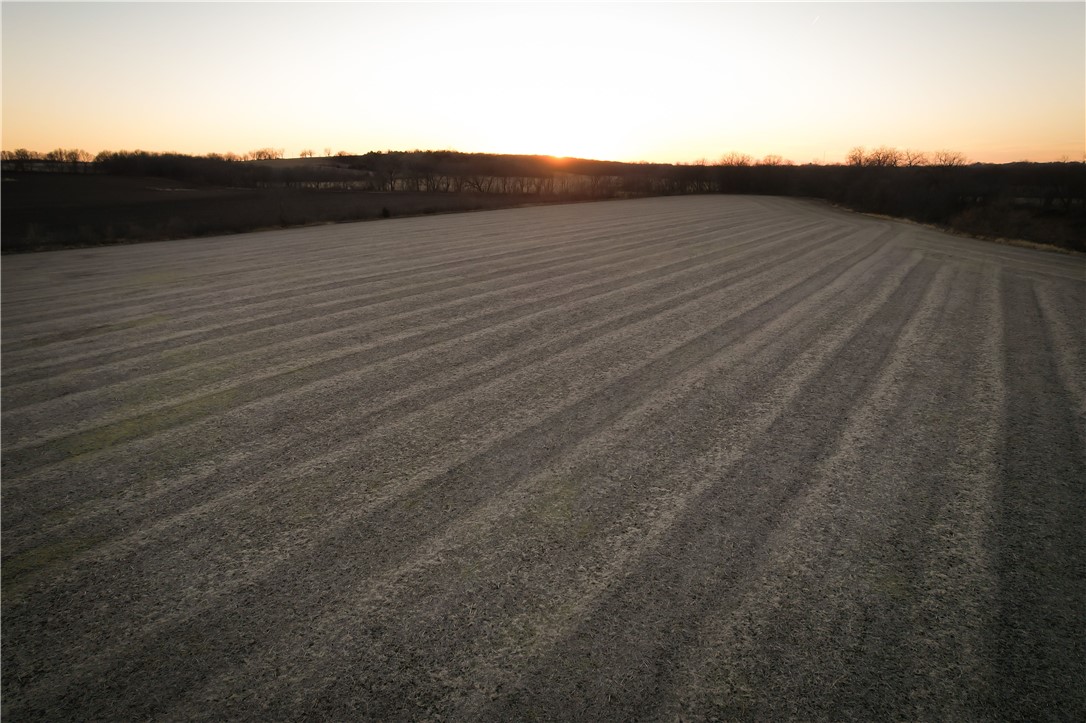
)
(327, 152)
(734, 158)
(857, 156)
(266, 154)
(480, 182)
(388, 168)
(948, 158)
(773, 159)
(306, 153)
(914, 158)
(77, 158)
(884, 156)
(58, 157)
(71, 158)
(22, 156)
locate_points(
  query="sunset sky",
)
(658, 82)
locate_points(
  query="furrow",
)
(298, 376)
(887, 546)
(532, 342)
(147, 352)
(253, 255)
(583, 412)
(249, 322)
(1039, 540)
(344, 277)
(401, 252)
(1068, 334)
(548, 501)
(663, 452)
(1039, 265)
(170, 460)
(142, 391)
(710, 549)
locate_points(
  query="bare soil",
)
(694, 457)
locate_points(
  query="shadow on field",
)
(1040, 536)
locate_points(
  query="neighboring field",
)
(704, 456)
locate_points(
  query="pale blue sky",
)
(660, 82)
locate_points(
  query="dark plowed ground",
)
(739, 457)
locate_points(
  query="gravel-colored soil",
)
(740, 457)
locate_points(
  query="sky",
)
(668, 82)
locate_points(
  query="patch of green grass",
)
(108, 435)
(558, 506)
(183, 356)
(151, 320)
(21, 568)
(73, 334)
(154, 278)
(179, 383)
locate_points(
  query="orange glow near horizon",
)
(658, 83)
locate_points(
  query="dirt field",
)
(724, 456)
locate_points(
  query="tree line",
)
(60, 159)
(1028, 200)
(77, 159)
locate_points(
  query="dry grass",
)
(732, 457)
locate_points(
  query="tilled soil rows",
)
(732, 457)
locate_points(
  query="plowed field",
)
(684, 457)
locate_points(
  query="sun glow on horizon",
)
(660, 83)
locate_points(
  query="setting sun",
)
(667, 83)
